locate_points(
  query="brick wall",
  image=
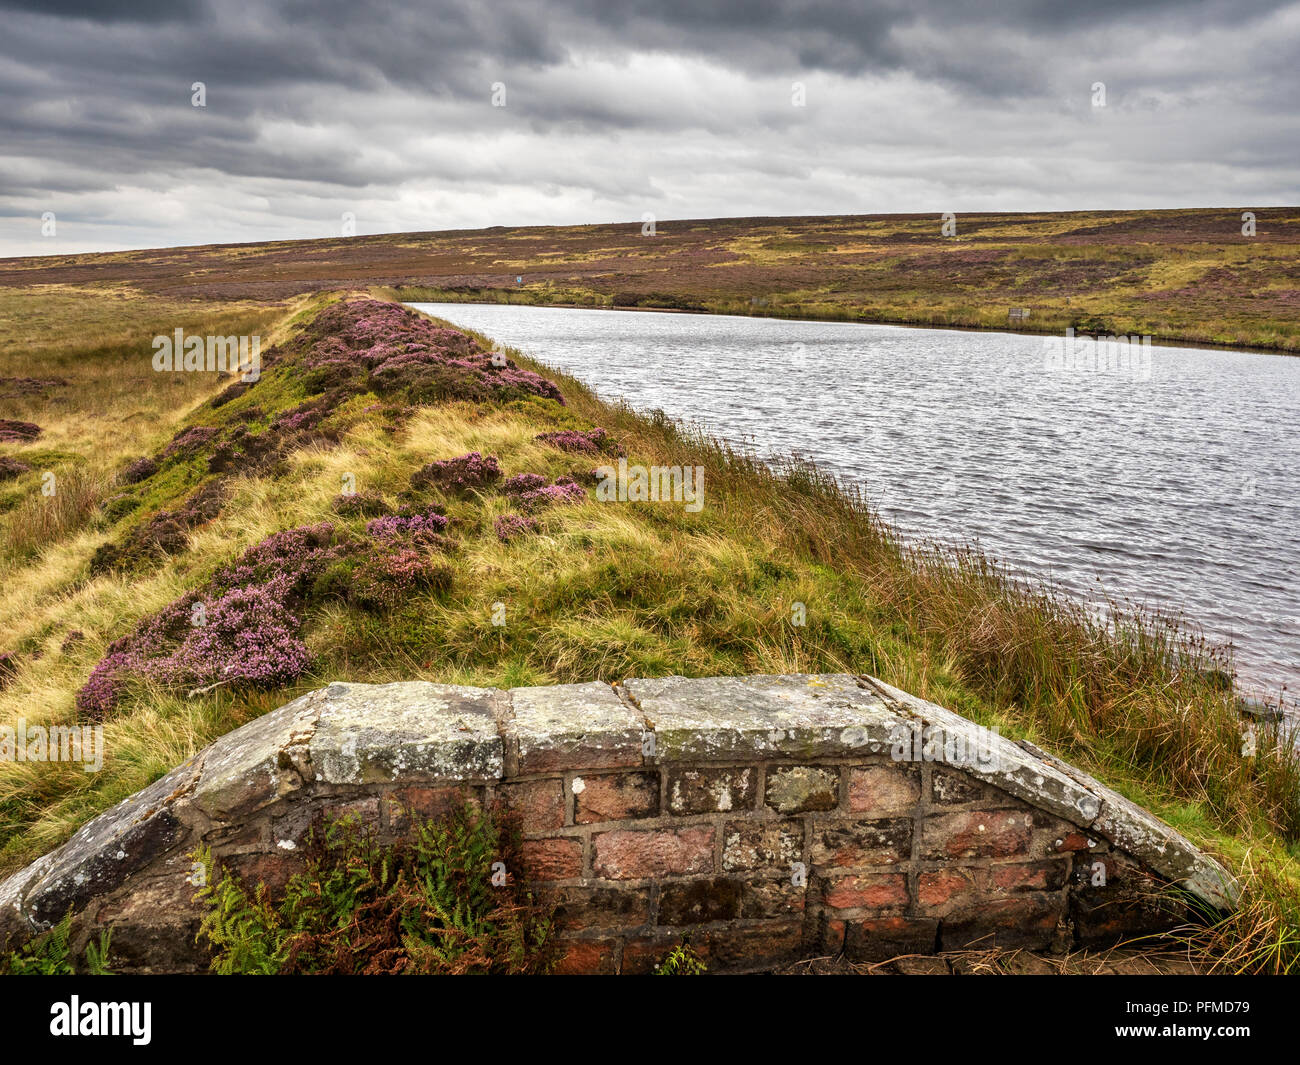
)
(768, 862)
(765, 819)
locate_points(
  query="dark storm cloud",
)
(311, 106)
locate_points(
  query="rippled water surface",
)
(1174, 481)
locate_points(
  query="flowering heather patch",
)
(250, 637)
(141, 469)
(360, 504)
(166, 533)
(560, 492)
(511, 526)
(11, 468)
(21, 387)
(17, 432)
(299, 554)
(304, 417)
(251, 632)
(461, 474)
(402, 351)
(592, 442)
(188, 441)
(428, 524)
(523, 482)
(387, 580)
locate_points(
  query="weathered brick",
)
(363, 810)
(844, 844)
(829, 933)
(273, 868)
(880, 938)
(877, 891)
(771, 898)
(615, 797)
(552, 859)
(1028, 921)
(977, 834)
(940, 890)
(684, 902)
(587, 957)
(643, 953)
(738, 947)
(1119, 899)
(796, 789)
(761, 845)
(1105, 916)
(539, 804)
(401, 805)
(755, 946)
(1076, 841)
(1046, 875)
(600, 908)
(703, 791)
(628, 854)
(951, 787)
(884, 790)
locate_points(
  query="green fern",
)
(50, 954)
(424, 906)
(681, 961)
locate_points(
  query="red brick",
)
(884, 790)
(950, 787)
(424, 804)
(615, 797)
(587, 957)
(552, 859)
(273, 868)
(754, 946)
(869, 891)
(1074, 841)
(586, 909)
(1029, 876)
(628, 854)
(879, 938)
(977, 834)
(1027, 921)
(539, 804)
(641, 955)
(844, 844)
(940, 890)
(799, 788)
(830, 934)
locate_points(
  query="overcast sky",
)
(616, 108)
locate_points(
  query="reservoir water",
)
(1163, 475)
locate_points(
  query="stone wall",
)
(768, 818)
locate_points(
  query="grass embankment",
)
(594, 591)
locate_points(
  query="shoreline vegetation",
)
(472, 490)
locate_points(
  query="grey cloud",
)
(617, 103)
